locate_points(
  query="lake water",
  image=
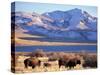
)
(88, 48)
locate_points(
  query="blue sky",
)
(42, 7)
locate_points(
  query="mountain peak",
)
(73, 23)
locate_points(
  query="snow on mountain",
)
(73, 24)
(82, 25)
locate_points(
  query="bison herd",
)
(33, 62)
(88, 62)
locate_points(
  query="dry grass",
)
(20, 57)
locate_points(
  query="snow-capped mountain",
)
(71, 24)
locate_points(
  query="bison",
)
(61, 62)
(32, 62)
(71, 63)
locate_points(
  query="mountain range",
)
(74, 24)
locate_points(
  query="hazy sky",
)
(42, 7)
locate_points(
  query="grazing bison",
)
(62, 62)
(33, 62)
(71, 63)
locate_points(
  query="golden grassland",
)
(20, 57)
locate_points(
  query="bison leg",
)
(39, 63)
(25, 63)
(26, 66)
(59, 65)
(33, 66)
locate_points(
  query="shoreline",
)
(55, 52)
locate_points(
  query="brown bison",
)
(62, 62)
(71, 63)
(32, 62)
